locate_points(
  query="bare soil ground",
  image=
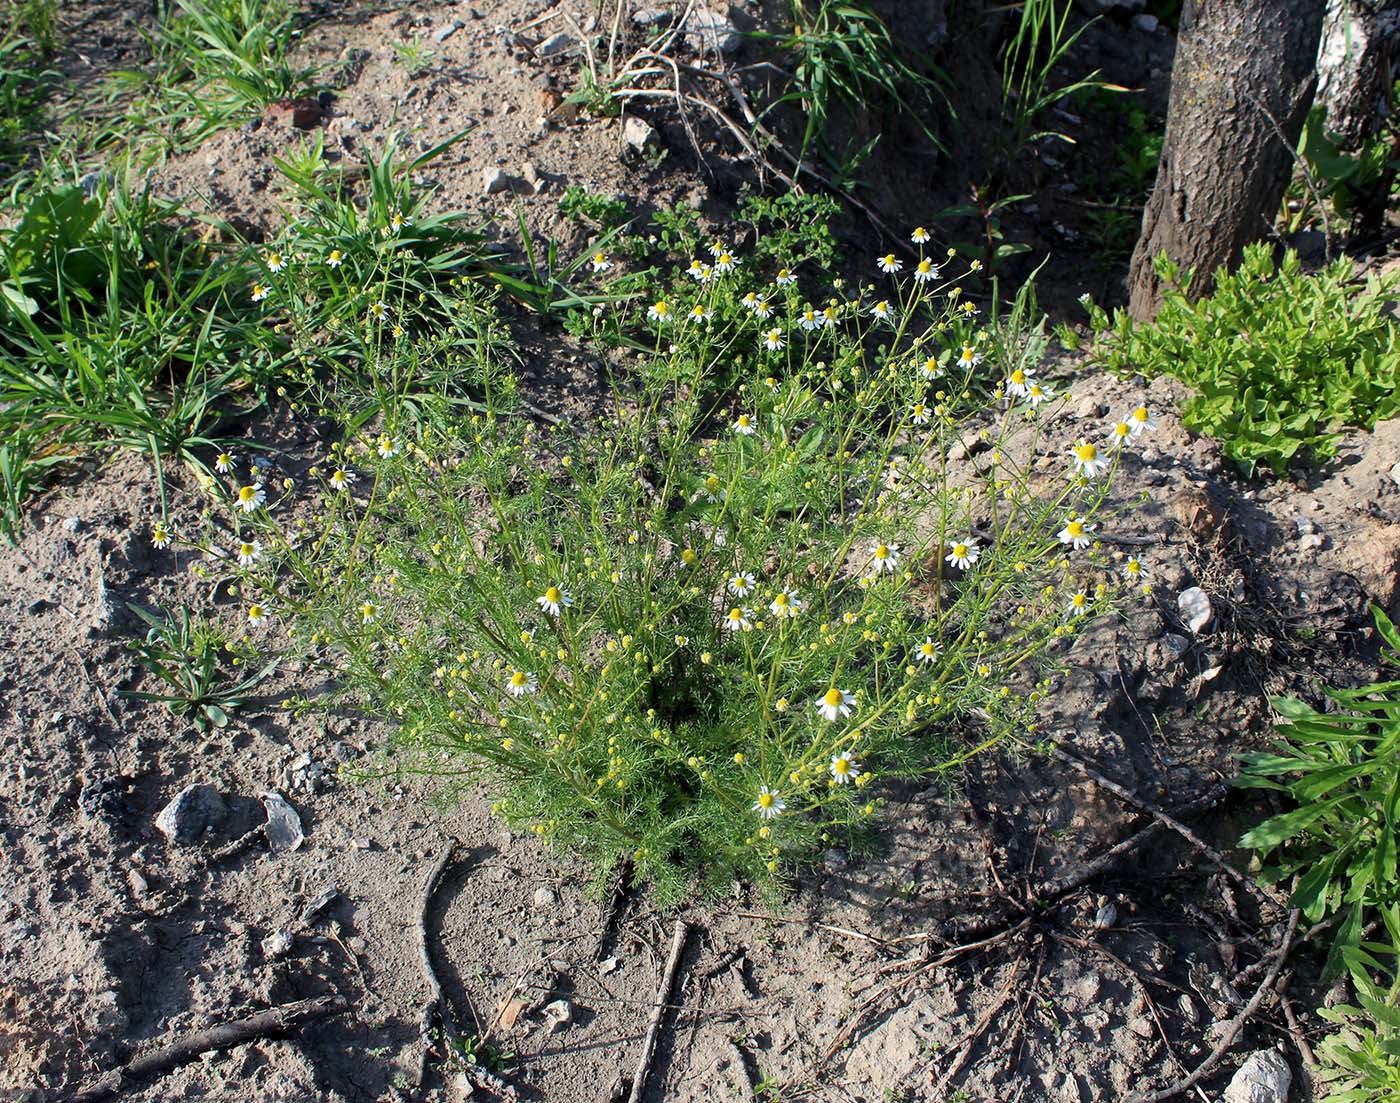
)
(964, 961)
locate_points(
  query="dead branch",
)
(1235, 1026)
(264, 1024)
(663, 998)
(1206, 850)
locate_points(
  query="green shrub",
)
(1338, 847)
(1281, 360)
(706, 625)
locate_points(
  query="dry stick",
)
(1302, 163)
(1236, 1024)
(437, 1005)
(969, 1038)
(275, 1020)
(1295, 1028)
(663, 997)
(1209, 852)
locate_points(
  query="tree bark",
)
(1356, 66)
(1242, 83)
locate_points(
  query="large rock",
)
(195, 810)
(1263, 1078)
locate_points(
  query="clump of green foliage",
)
(1338, 846)
(704, 626)
(1281, 359)
(25, 80)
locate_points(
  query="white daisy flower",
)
(762, 308)
(725, 261)
(341, 479)
(828, 317)
(378, 310)
(889, 263)
(369, 612)
(737, 620)
(741, 584)
(919, 414)
(743, 425)
(969, 358)
(928, 651)
(600, 262)
(885, 557)
(160, 536)
(716, 249)
(258, 615)
(698, 313)
(1134, 571)
(275, 261)
(250, 497)
(714, 491)
(520, 683)
(1018, 383)
(659, 312)
(1078, 604)
(260, 292)
(925, 271)
(769, 803)
(1076, 534)
(920, 236)
(835, 704)
(785, 605)
(785, 277)
(882, 311)
(385, 446)
(964, 553)
(1141, 421)
(1086, 458)
(335, 259)
(844, 768)
(929, 369)
(224, 463)
(773, 340)
(809, 320)
(698, 270)
(555, 600)
(249, 553)
(1119, 434)
(1036, 394)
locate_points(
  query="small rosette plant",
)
(801, 554)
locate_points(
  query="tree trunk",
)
(1356, 66)
(1242, 83)
(1356, 69)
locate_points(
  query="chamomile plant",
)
(706, 626)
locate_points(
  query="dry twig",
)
(275, 1020)
(663, 998)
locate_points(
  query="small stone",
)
(835, 860)
(1086, 988)
(313, 910)
(303, 113)
(545, 897)
(606, 966)
(1187, 1006)
(556, 45)
(1195, 608)
(639, 136)
(1395, 474)
(1089, 407)
(1263, 1078)
(650, 17)
(1311, 541)
(357, 945)
(362, 843)
(1177, 644)
(708, 30)
(103, 797)
(494, 181)
(137, 882)
(1146, 22)
(558, 1014)
(283, 828)
(1142, 1027)
(277, 944)
(196, 809)
(958, 452)
(447, 30)
(1106, 916)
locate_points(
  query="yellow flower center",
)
(926, 648)
(246, 493)
(1018, 376)
(781, 601)
(889, 260)
(552, 595)
(660, 308)
(744, 420)
(1140, 414)
(925, 266)
(1080, 601)
(736, 615)
(959, 551)
(1086, 452)
(245, 550)
(688, 556)
(518, 678)
(834, 698)
(1075, 528)
(255, 611)
(841, 766)
(725, 258)
(765, 800)
(882, 552)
